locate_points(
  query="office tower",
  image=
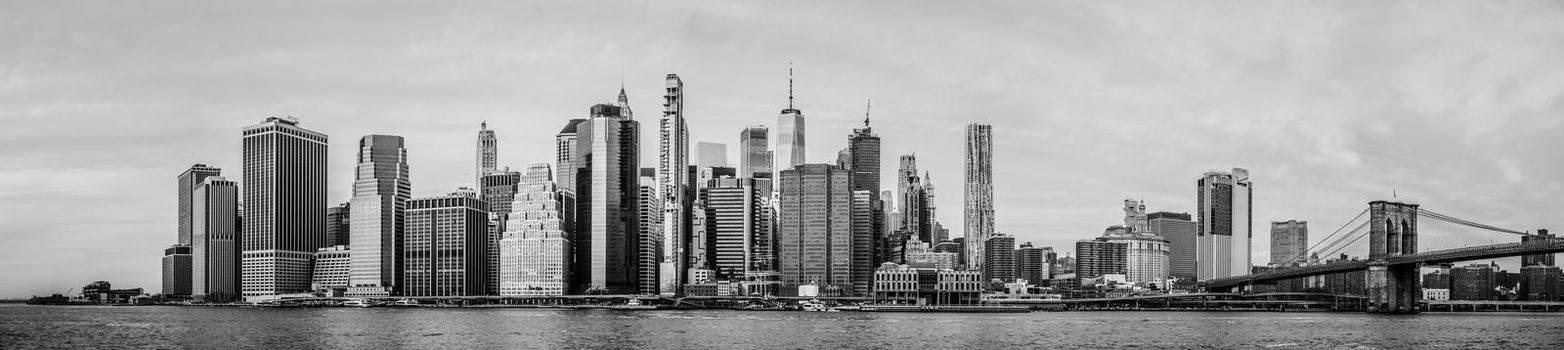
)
(339, 224)
(815, 237)
(381, 189)
(284, 203)
(214, 250)
(1097, 257)
(1538, 259)
(999, 258)
(789, 149)
(188, 180)
(1145, 256)
(498, 188)
(176, 271)
(863, 165)
(733, 223)
(863, 241)
(487, 154)
(1179, 230)
(754, 153)
(906, 172)
(607, 200)
(649, 253)
(929, 213)
(1034, 264)
(535, 252)
(672, 188)
(445, 246)
(979, 200)
(1289, 242)
(1223, 235)
(711, 154)
(333, 270)
(565, 155)
(1135, 216)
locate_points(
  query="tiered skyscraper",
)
(607, 200)
(1226, 221)
(672, 188)
(979, 209)
(535, 252)
(381, 189)
(284, 205)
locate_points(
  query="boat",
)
(406, 303)
(633, 304)
(358, 303)
(815, 306)
(57, 299)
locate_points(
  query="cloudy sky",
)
(1456, 105)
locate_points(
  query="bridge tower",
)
(1392, 232)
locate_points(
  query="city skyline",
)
(1074, 136)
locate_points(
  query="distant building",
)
(1538, 259)
(187, 181)
(1135, 217)
(487, 159)
(918, 255)
(711, 154)
(1222, 242)
(1179, 230)
(901, 284)
(1034, 264)
(214, 249)
(789, 149)
(1474, 282)
(332, 266)
(1145, 256)
(1289, 243)
(176, 272)
(1541, 283)
(339, 224)
(816, 248)
(754, 153)
(1097, 257)
(446, 246)
(535, 251)
(285, 206)
(999, 258)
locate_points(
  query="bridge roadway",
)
(1429, 258)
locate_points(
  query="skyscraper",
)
(863, 240)
(870, 247)
(672, 182)
(1145, 256)
(1224, 234)
(487, 154)
(815, 239)
(381, 189)
(535, 252)
(188, 180)
(711, 154)
(1097, 257)
(999, 258)
(1034, 264)
(177, 267)
(789, 149)
(754, 153)
(498, 188)
(649, 252)
(177, 259)
(339, 224)
(733, 210)
(284, 206)
(445, 245)
(1289, 242)
(607, 201)
(1179, 230)
(979, 200)
(214, 249)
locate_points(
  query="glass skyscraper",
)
(381, 190)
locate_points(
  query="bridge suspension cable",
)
(1305, 256)
(1458, 221)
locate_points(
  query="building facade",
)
(650, 252)
(979, 200)
(755, 152)
(999, 258)
(1179, 230)
(214, 248)
(1145, 256)
(487, 155)
(446, 246)
(333, 268)
(1289, 243)
(1538, 259)
(381, 189)
(284, 206)
(339, 224)
(177, 271)
(535, 252)
(1224, 234)
(607, 237)
(1034, 264)
(815, 240)
(498, 188)
(672, 188)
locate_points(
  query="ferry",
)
(816, 306)
(633, 304)
(358, 303)
(406, 303)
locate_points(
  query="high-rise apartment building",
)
(1034, 264)
(535, 252)
(979, 210)
(1224, 233)
(487, 155)
(789, 149)
(445, 246)
(381, 189)
(284, 206)
(607, 199)
(673, 188)
(1179, 230)
(999, 258)
(755, 153)
(649, 254)
(1289, 243)
(214, 248)
(814, 243)
(1097, 257)
(339, 224)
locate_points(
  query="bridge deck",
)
(1431, 257)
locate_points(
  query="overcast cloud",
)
(1456, 105)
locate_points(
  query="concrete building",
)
(607, 201)
(905, 285)
(1224, 234)
(188, 180)
(214, 246)
(979, 199)
(789, 149)
(1098, 257)
(732, 211)
(535, 251)
(649, 254)
(339, 224)
(673, 188)
(863, 240)
(1145, 256)
(1034, 264)
(487, 155)
(999, 258)
(1135, 218)
(285, 204)
(1541, 283)
(1179, 230)
(445, 246)
(1289, 243)
(381, 189)
(918, 255)
(177, 266)
(498, 188)
(1474, 282)
(333, 266)
(815, 242)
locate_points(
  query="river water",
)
(157, 327)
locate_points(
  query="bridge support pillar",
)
(1392, 232)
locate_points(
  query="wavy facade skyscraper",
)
(978, 212)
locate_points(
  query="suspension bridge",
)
(1395, 257)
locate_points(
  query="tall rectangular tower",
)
(999, 258)
(673, 163)
(381, 190)
(498, 188)
(445, 246)
(789, 149)
(487, 154)
(1223, 235)
(754, 153)
(188, 180)
(214, 248)
(1289, 242)
(815, 239)
(607, 201)
(979, 200)
(1179, 230)
(649, 254)
(339, 224)
(284, 206)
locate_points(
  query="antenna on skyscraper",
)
(867, 104)
(790, 85)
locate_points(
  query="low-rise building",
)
(902, 284)
(332, 266)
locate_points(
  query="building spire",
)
(868, 103)
(483, 125)
(790, 85)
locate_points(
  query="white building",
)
(1224, 233)
(534, 251)
(1145, 256)
(333, 265)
